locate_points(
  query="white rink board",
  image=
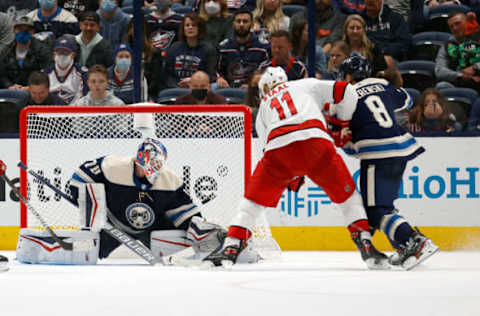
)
(441, 187)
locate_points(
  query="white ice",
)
(301, 283)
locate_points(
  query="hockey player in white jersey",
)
(139, 195)
(297, 144)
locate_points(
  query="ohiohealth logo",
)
(457, 183)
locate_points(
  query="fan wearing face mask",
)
(24, 55)
(52, 18)
(217, 20)
(120, 75)
(201, 94)
(113, 21)
(67, 78)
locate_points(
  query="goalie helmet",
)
(271, 77)
(151, 157)
(357, 66)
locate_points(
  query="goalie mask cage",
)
(208, 146)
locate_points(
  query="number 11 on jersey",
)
(279, 105)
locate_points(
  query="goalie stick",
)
(64, 244)
(134, 245)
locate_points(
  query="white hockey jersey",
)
(293, 110)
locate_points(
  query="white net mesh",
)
(209, 147)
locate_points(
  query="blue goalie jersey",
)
(375, 132)
(134, 204)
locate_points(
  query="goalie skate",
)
(3, 263)
(374, 259)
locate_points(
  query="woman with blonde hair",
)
(355, 35)
(268, 17)
(218, 20)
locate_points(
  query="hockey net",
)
(209, 146)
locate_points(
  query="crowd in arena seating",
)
(79, 52)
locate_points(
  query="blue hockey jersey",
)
(136, 205)
(375, 132)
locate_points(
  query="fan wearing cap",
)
(52, 18)
(120, 75)
(113, 21)
(22, 56)
(94, 48)
(67, 78)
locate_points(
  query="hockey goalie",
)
(139, 195)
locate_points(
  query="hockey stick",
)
(65, 245)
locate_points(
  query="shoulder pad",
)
(167, 180)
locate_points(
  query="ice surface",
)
(301, 283)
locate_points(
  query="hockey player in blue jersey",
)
(384, 148)
(137, 194)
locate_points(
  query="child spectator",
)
(121, 75)
(97, 80)
(339, 52)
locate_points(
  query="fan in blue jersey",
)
(139, 195)
(384, 149)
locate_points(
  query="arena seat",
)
(233, 95)
(460, 102)
(10, 107)
(291, 9)
(437, 16)
(417, 74)
(425, 45)
(169, 96)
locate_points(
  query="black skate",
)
(374, 259)
(226, 255)
(3, 263)
(418, 249)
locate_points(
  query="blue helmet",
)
(357, 66)
(151, 157)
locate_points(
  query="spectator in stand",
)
(120, 75)
(22, 56)
(268, 18)
(190, 53)
(163, 25)
(97, 80)
(113, 21)
(387, 29)
(53, 19)
(77, 7)
(201, 92)
(6, 32)
(281, 46)
(431, 114)
(355, 36)
(38, 91)
(17, 8)
(328, 23)
(458, 61)
(299, 37)
(473, 123)
(339, 52)
(348, 7)
(94, 49)
(240, 55)
(67, 78)
(218, 20)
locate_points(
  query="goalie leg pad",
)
(204, 236)
(38, 247)
(92, 205)
(167, 242)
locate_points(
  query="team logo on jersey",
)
(140, 215)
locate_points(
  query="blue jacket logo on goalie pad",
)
(140, 215)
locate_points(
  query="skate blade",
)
(381, 265)
(429, 250)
